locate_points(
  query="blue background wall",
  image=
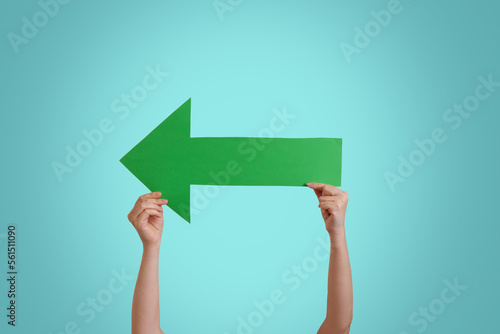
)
(239, 66)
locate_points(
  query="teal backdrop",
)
(411, 87)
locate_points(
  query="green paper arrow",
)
(169, 160)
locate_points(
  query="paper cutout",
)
(169, 160)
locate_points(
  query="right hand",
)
(333, 204)
(147, 218)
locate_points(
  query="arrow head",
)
(161, 160)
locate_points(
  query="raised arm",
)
(333, 203)
(147, 218)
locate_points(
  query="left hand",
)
(147, 218)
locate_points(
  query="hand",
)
(147, 218)
(333, 204)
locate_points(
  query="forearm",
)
(339, 299)
(146, 305)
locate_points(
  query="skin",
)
(333, 204)
(147, 218)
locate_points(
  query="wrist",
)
(337, 237)
(151, 248)
(336, 231)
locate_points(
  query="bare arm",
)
(333, 203)
(146, 305)
(147, 218)
(339, 300)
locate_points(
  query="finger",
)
(316, 185)
(324, 213)
(143, 199)
(316, 191)
(147, 205)
(328, 206)
(329, 198)
(157, 201)
(140, 206)
(144, 215)
(329, 190)
(155, 194)
(326, 189)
